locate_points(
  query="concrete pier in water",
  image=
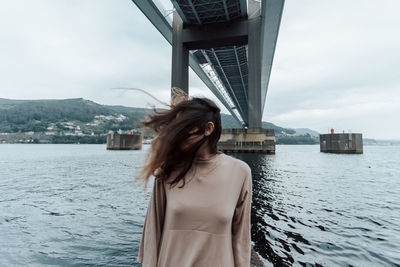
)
(346, 143)
(124, 141)
(252, 140)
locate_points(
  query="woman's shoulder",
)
(235, 163)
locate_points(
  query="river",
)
(78, 205)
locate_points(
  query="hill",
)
(81, 117)
(304, 131)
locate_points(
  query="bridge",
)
(229, 44)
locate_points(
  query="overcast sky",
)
(337, 63)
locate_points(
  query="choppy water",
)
(77, 205)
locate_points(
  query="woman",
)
(199, 211)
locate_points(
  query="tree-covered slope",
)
(84, 117)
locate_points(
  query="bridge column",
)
(254, 76)
(180, 57)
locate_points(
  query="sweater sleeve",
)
(152, 227)
(241, 227)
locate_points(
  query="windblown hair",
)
(173, 127)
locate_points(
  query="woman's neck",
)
(204, 152)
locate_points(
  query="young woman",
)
(199, 211)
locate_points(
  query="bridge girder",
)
(209, 25)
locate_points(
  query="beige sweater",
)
(204, 224)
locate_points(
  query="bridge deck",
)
(225, 68)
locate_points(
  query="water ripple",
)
(315, 209)
(77, 205)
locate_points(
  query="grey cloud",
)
(336, 62)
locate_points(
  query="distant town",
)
(63, 131)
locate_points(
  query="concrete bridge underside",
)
(229, 44)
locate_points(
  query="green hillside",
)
(80, 117)
(38, 115)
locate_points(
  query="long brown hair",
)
(173, 127)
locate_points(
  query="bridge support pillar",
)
(180, 57)
(254, 78)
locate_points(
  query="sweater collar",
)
(212, 159)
